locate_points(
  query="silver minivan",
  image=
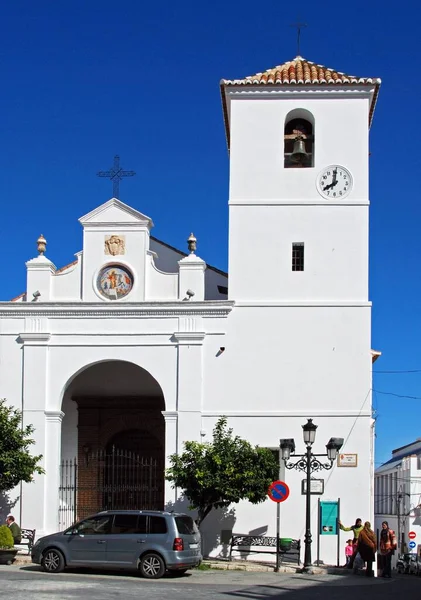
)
(152, 541)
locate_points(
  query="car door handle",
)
(141, 541)
(101, 542)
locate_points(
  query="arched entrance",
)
(114, 425)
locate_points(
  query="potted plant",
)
(7, 549)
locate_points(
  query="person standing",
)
(356, 529)
(14, 529)
(388, 546)
(349, 551)
(366, 546)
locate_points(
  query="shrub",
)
(6, 538)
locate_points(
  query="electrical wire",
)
(394, 372)
(397, 395)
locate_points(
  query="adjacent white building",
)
(136, 347)
(398, 496)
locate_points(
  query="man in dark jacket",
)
(14, 529)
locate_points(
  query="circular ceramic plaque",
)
(114, 282)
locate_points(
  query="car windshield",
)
(186, 525)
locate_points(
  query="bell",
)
(299, 154)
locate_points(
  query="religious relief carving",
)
(115, 245)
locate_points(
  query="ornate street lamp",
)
(309, 463)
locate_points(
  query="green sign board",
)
(329, 517)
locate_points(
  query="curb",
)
(241, 565)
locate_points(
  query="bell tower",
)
(297, 136)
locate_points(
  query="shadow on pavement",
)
(115, 573)
(301, 587)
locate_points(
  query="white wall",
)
(257, 142)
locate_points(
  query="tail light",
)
(178, 544)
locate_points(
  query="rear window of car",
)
(186, 525)
(157, 525)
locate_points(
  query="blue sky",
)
(84, 80)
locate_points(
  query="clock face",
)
(334, 182)
(114, 282)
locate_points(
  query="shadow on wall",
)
(216, 529)
(6, 506)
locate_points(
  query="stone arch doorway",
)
(114, 425)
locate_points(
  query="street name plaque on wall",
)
(347, 460)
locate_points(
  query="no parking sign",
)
(278, 491)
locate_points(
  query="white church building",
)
(136, 347)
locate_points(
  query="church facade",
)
(136, 347)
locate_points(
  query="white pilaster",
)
(53, 419)
(40, 271)
(190, 381)
(171, 447)
(35, 357)
(191, 278)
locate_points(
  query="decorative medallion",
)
(115, 245)
(114, 282)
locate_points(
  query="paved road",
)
(30, 583)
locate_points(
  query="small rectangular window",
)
(157, 525)
(298, 257)
(128, 523)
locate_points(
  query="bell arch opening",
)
(299, 139)
(113, 441)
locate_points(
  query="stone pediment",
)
(115, 212)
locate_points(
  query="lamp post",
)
(309, 463)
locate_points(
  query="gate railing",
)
(117, 479)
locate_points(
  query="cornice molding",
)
(298, 202)
(294, 90)
(189, 337)
(218, 309)
(305, 303)
(34, 338)
(54, 416)
(169, 415)
(340, 414)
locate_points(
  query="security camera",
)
(190, 293)
(36, 295)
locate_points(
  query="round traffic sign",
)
(412, 535)
(412, 544)
(278, 491)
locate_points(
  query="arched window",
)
(299, 139)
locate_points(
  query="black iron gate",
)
(106, 480)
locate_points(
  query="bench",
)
(27, 539)
(256, 544)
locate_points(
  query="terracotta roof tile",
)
(299, 71)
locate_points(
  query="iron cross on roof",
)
(116, 174)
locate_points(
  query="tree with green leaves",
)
(16, 462)
(218, 473)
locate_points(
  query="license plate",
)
(193, 546)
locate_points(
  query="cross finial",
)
(299, 26)
(116, 174)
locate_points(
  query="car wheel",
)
(52, 561)
(152, 566)
(177, 572)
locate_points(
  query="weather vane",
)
(299, 26)
(116, 174)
